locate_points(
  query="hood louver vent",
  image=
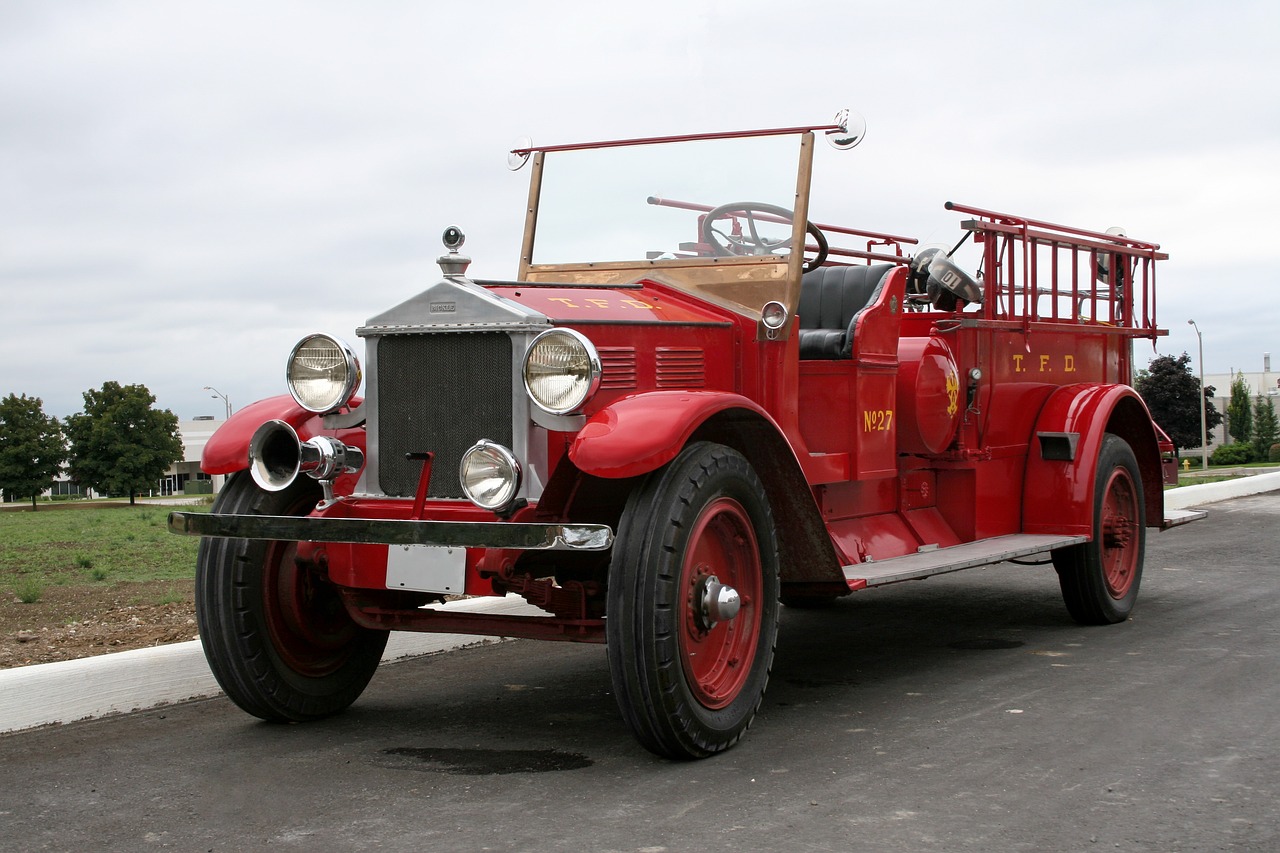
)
(618, 368)
(681, 367)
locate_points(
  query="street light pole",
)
(217, 394)
(1204, 430)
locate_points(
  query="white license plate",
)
(427, 568)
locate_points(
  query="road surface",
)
(966, 712)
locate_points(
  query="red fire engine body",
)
(657, 452)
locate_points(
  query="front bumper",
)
(383, 531)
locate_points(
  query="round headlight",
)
(323, 373)
(490, 475)
(561, 370)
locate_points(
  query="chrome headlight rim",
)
(342, 390)
(591, 382)
(504, 466)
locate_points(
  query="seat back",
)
(831, 298)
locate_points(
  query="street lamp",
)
(217, 394)
(1204, 430)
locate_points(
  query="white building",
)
(195, 434)
(1264, 383)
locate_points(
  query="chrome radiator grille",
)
(439, 393)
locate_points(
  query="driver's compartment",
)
(831, 300)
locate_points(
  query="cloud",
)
(187, 188)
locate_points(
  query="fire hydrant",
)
(1186, 464)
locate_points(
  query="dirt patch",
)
(71, 622)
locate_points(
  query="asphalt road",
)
(965, 712)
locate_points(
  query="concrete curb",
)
(118, 683)
(1207, 493)
(121, 682)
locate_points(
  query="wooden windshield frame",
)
(743, 285)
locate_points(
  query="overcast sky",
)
(186, 188)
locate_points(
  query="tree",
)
(1239, 410)
(1174, 397)
(119, 444)
(32, 447)
(1265, 428)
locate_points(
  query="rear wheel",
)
(1100, 579)
(693, 603)
(276, 634)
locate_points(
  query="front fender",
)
(1059, 491)
(642, 432)
(227, 450)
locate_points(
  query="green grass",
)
(82, 546)
(172, 596)
(1216, 473)
(1209, 478)
(1195, 465)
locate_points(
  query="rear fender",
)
(642, 432)
(1061, 461)
(227, 450)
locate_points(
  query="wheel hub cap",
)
(720, 602)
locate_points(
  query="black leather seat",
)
(831, 298)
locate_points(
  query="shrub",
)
(29, 590)
(1273, 455)
(1231, 454)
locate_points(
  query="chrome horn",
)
(277, 457)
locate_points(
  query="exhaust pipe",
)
(277, 457)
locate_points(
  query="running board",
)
(1174, 517)
(938, 561)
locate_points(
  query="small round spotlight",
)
(773, 315)
(490, 475)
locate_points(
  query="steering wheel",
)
(735, 245)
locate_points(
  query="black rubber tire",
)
(709, 493)
(277, 663)
(1100, 578)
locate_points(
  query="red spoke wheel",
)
(693, 603)
(722, 549)
(1100, 578)
(305, 619)
(275, 632)
(1119, 529)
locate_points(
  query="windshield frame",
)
(742, 284)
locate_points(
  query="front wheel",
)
(275, 632)
(1100, 578)
(693, 603)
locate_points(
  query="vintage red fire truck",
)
(694, 403)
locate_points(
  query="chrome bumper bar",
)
(385, 531)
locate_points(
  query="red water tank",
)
(929, 395)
